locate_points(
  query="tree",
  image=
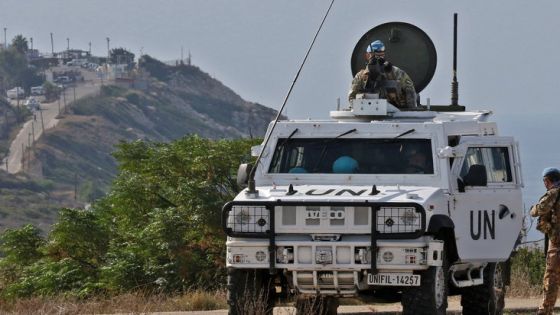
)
(16, 70)
(19, 43)
(158, 229)
(20, 249)
(121, 56)
(165, 210)
(52, 91)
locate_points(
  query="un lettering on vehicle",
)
(394, 279)
(483, 223)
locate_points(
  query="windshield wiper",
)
(329, 141)
(288, 139)
(280, 147)
(405, 133)
(346, 133)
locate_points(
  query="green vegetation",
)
(19, 43)
(157, 230)
(156, 68)
(527, 271)
(14, 68)
(121, 56)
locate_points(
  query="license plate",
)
(394, 279)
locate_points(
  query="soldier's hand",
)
(533, 211)
(376, 61)
(387, 66)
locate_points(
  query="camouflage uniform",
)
(405, 96)
(548, 210)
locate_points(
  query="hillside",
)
(75, 157)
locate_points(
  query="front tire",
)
(430, 298)
(487, 298)
(250, 292)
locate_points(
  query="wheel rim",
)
(439, 287)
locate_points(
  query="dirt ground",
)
(514, 306)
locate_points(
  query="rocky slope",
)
(168, 103)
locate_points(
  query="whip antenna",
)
(454, 84)
(251, 181)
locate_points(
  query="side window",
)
(495, 159)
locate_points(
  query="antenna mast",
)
(455, 84)
(251, 181)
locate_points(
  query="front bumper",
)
(351, 253)
(339, 268)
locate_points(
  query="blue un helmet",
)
(550, 171)
(376, 46)
(297, 170)
(345, 165)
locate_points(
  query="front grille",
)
(261, 219)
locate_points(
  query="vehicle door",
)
(486, 203)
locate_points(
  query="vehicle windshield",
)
(353, 156)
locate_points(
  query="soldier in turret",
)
(548, 209)
(382, 77)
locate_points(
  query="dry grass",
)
(131, 303)
(521, 286)
(137, 303)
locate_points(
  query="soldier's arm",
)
(356, 87)
(409, 91)
(545, 205)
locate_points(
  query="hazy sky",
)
(508, 51)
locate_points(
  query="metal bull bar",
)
(376, 234)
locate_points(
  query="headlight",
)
(398, 220)
(249, 219)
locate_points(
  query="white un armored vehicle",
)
(413, 205)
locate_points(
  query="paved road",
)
(33, 129)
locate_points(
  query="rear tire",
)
(250, 292)
(487, 298)
(430, 298)
(316, 305)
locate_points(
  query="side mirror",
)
(243, 174)
(476, 176)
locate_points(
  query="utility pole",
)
(67, 43)
(52, 45)
(5, 38)
(17, 102)
(33, 130)
(182, 57)
(75, 186)
(64, 99)
(31, 40)
(108, 49)
(58, 104)
(29, 158)
(42, 121)
(7, 122)
(22, 156)
(89, 48)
